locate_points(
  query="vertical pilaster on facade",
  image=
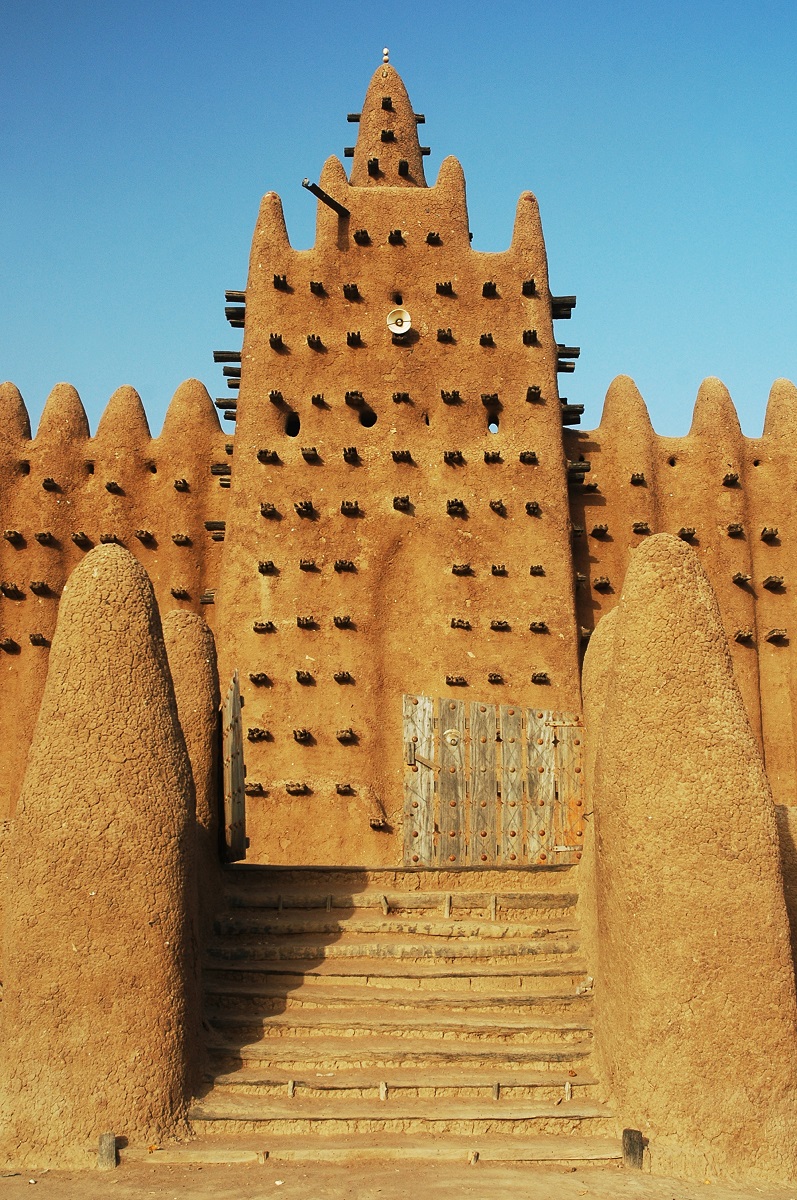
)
(780, 422)
(388, 136)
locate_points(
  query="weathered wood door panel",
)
(487, 785)
(233, 773)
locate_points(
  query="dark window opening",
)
(368, 418)
(292, 424)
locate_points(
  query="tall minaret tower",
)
(399, 515)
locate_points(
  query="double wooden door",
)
(489, 785)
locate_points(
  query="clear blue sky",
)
(136, 140)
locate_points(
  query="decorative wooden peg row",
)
(495, 677)
(769, 533)
(402, 398)
(776, 635)
(298, 789)
(253, 788)
(454, 458)
(259, 678)
(82, 540)
(264, 627)
(221, 468)
(226, 356)
(456, 681)
(530, 337)
(113, 487)
(638, 478)
(144, 536)
(445, 335)
(268, 457)
(533, 394)
(387, 135)
(528, 287)
(602, 584)
(11, 591)
(577, 470)
(541, 677)
(401, 456)
(314, 341)
(346, 735)
(451, 397)
(269, 511)
(490, 399)
(350, 455)
(686, 533)
(344, 789)
(536, 569)
(640, 527)
(180, 593)
(538, 627)
(533, 508)
(307, 564)
(461, 569)
(275, 341)
(740, 579)
(445, 288)
(308, 622)
(395, 237)
(9, 645)
(50, 485)
(181, 539)
(500, 626)
(343, 677)
(350, 508)
(434, 239)
(342, 621)
(276, 397)
(181, 485)
(343, 565)
(490, 290)
(231, 373)
(38, 639)
(208, 597)
(373, 167)
(14, 536)
(354, 399)
(735, 529)
(460, 623)
(580, 579)
(743, 635)
(456, 508)
(304, 677)
(577, 531)
(351, 291)
(486, 339)
(498, 507)
(591, 486)
(402, 503)
(267, 567)
(44, 538)
(281, 283)
(362, 237)
(39, 587)
(303, 736)
(317, 288)
(492, 456)
(600, 531)
(528, 458)
(730, 479)
(773, 583)
(304, 508)
(310, 454)
(498, 569)
(255, 734)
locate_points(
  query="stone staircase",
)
(354, 1013)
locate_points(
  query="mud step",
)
(572, 1150)
(285, 924)
(434, 1026)
(398, 1080)
(275, 997)
(391, 946)
(528, 879)
(340, 1053)
(402, 901)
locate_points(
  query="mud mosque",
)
(398, 769)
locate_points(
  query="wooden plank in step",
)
(510, 831)
(540, 733)
(418, 781)
(482, 847)
(451, 788)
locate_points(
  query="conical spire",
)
(388, 136)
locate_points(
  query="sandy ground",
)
(387, 1181)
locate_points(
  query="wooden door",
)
(233, 773)
(490, 785)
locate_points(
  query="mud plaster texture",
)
(99, 1006)
(192, 659)
(696, 1020)
(378, 398)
